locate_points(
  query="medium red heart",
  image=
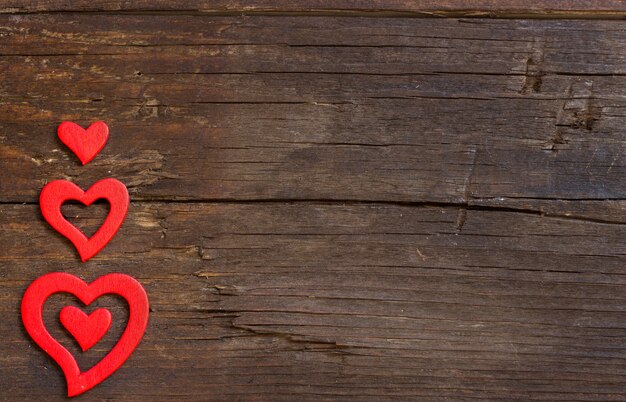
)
(119, 284)
(86, 144)
(86, 329)
(55, 193)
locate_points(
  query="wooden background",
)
(331, 200)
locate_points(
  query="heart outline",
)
(87, 329)
(59, 282)
(57, 192)
(84, 143)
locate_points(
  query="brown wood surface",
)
(328, 206)
(470, 8)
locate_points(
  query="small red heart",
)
(119, 284)
(86, 329)
(55, 193)
(86, 144)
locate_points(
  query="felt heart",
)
(86, 144)
(55, 193)
(119, 284)
(86, 329)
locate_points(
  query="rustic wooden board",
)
(364, 301)
(329, 207)
(366, 109)
(512, 8)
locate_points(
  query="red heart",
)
(119, 284)
(86, 329)
(86, 144)
(55, 193)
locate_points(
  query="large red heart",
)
(86, 144)
(119, 284)
(55, 193)
(87, 329)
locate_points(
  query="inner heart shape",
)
(86, 329)
(55, 193)
(58, 282)
(86, 144)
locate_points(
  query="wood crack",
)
(462, 12)
(473, 205)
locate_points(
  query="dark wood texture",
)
(470, 8)
(329, 206)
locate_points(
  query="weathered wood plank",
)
(360, 301)
(492, 112)
(569, 8)
(490, 266)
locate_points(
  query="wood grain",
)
(362, 301)
(333, 201)
(472, 8)
(367, 109)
